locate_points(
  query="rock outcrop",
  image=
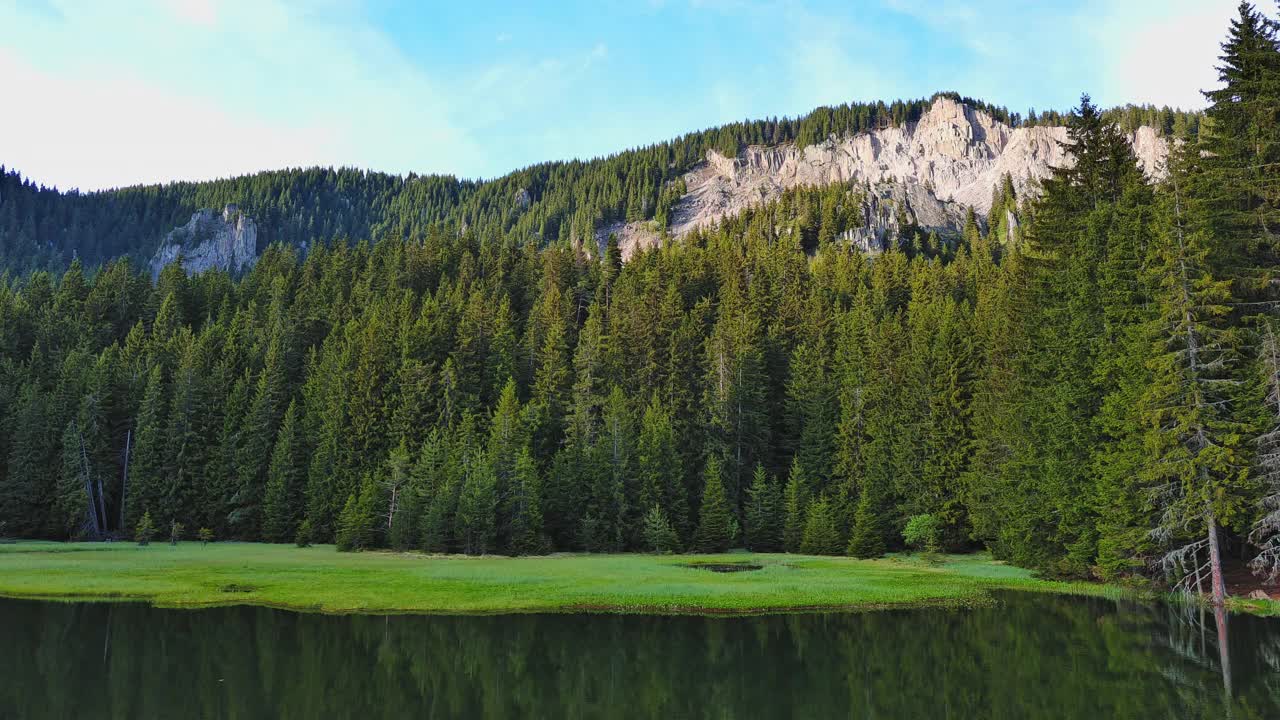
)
(226, 241)
(951, 159)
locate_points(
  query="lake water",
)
(1032, 656)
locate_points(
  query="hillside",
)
(940, 143)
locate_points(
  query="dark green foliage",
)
(715, 521)
(510, 388)
(357, 523)
(525, 508)
(764, 516)
(658, 534)
(820, 534)
(795, 501)
(282, 500)
(302, 538)
(870, 526)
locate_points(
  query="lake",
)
(1030, 656)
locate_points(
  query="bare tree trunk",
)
(391, 511)
(102, 506)
(94, 523)
(124, 482)
(1215, 564)
(1224, 655)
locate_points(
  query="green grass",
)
(320, 579)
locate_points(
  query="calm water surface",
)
(1033, 656)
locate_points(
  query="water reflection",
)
(1031, 657)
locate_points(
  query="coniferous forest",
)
(1093, 391)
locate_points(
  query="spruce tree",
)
(524, 507)
(477, 506)
(282, 499)
(764, 513)
(715, 519)
(358, 521)
(658, 534)
(1197, 468)
(660, 468)
(795, 501)
(820, 534)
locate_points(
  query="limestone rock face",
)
(951, 159)
(226, 241)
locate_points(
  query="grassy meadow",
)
(320, 579)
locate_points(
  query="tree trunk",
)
(1224, 653)
(124, 481)
(1215, 563)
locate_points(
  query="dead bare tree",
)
(124, 481)
(93, 522)
(1265, 534)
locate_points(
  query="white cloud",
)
(197, 12)
(106, 130)
(159, 93)
(1165, 55)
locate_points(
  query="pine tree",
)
(735, 392)
(507, 438)
(261, 426)
(811, 411)
(1196, 469)
(145, 530)
(613, 497)
(820, 534)
(147, 460)
(867, 539)
(660, 467)
(477, 506)
(764, 513)
(358, 521)
(524, 507)
(659, 536)
(715, 519)
(795, 501)
(78, 516)
(282, 499)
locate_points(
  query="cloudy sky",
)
(97, 94)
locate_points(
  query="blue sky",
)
(100, 94)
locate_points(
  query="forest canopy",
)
(1093, 390)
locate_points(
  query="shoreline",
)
(320, 580)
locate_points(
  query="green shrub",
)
(145, 531)
(302, 538)
(923, 532)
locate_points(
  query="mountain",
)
(953, 158)
(925, 161)
(226, 241)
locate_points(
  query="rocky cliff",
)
(226, 241)
(933, 169)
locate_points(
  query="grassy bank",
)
(318, 578)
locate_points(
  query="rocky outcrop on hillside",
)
(226, 241)
(934, 169)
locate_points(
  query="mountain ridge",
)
(951, 159)
(634, 192)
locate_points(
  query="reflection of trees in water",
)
(1034, 656)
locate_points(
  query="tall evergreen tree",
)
(715, 519)
(282, 498)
